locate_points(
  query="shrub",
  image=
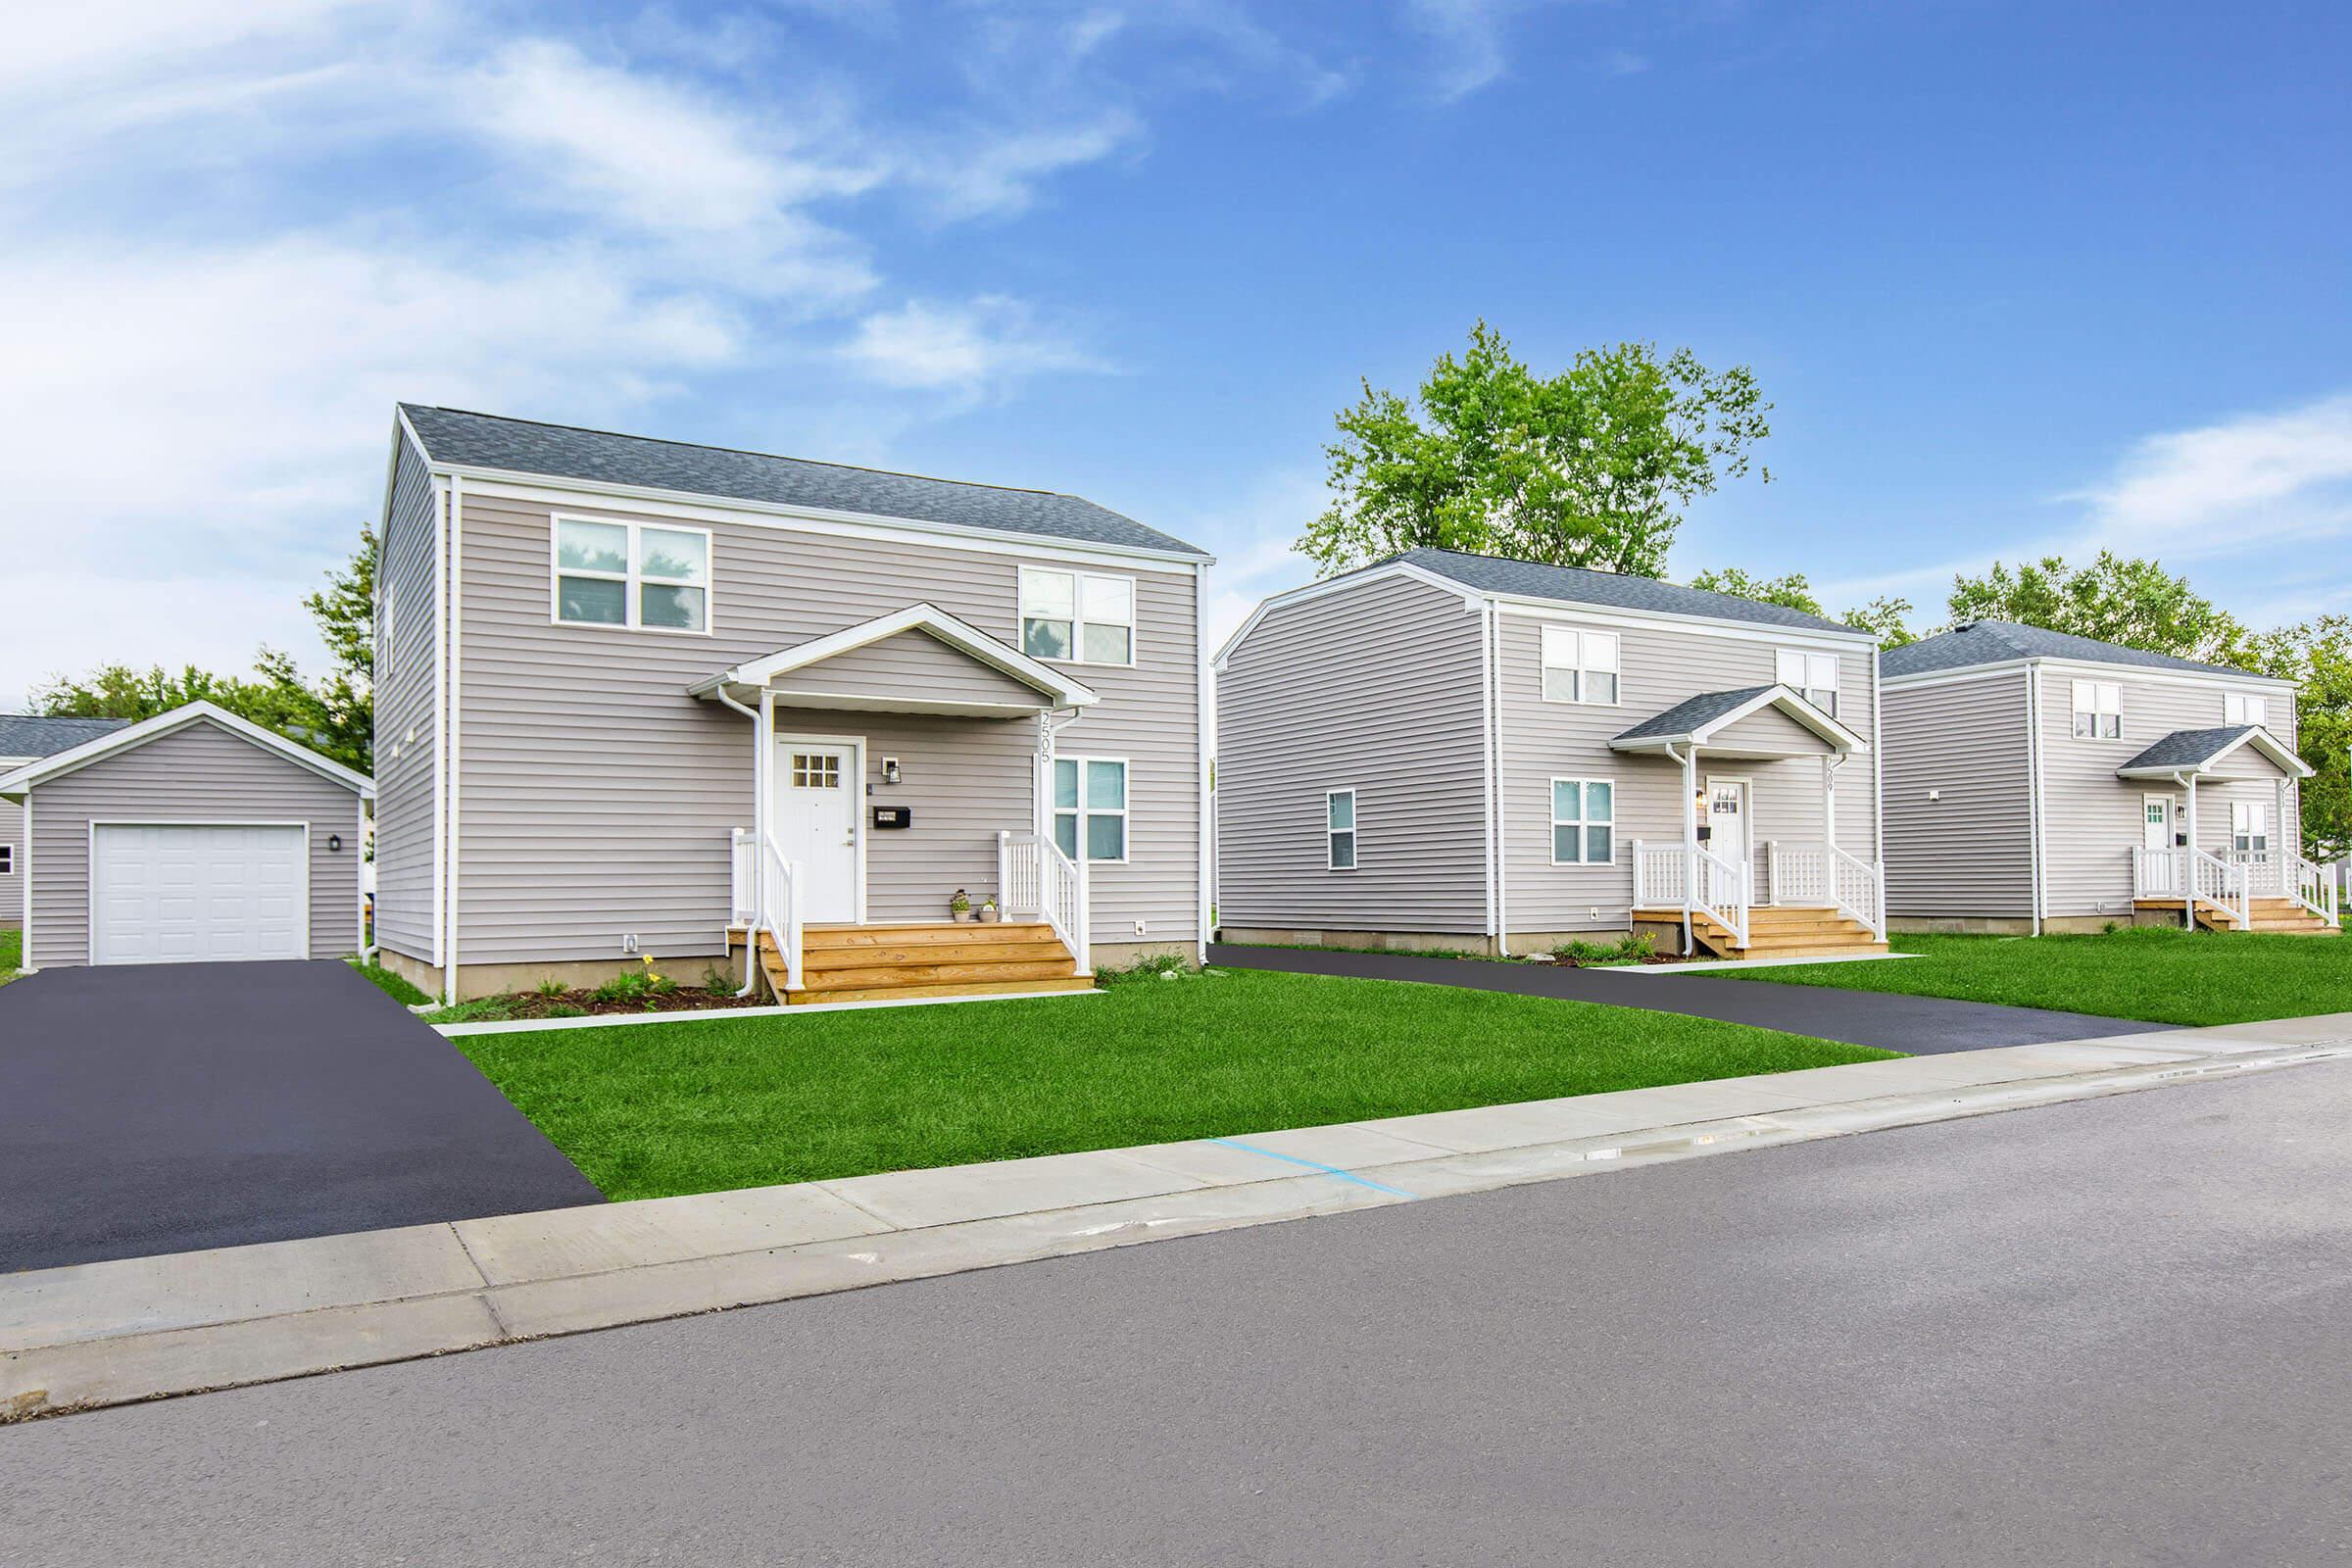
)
(1157, 966)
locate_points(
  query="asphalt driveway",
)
(1914, 1025)
(165, 1107)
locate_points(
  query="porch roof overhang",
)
(2191, 753)
(1053, 691)
(1699, 723)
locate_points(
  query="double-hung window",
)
(638, 574)
(2246, 708)
(2098, 710)
(1077, 618)
(1580, 666)
(2249, 827)
(8, 858)
(1584, 822)
(1338, 830)
(1090, 808)
(1812, 676)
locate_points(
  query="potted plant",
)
(960, 905)
(989, 911)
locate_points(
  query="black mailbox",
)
(894, 816)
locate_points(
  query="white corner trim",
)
(929, 618)
(171, 723)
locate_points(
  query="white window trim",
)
(1556, 821)
(2241, 701)
(1078, 576)
(2075, 708)
(8, 859)
(1805, 688)
(1084, 811)
(2256, 817)
(632, 581)
(1354, 831)
(1544, 665)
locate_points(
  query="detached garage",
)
(192, 836)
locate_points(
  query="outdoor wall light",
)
(890, 771)
(334, 843)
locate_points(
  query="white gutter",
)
(452, 721)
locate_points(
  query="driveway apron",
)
(1916, 1025)
(166, 1107)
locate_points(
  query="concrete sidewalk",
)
(115, 1332)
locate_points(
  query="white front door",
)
(190, 893)
(2156, 821)
(819, 781)
(1726, 818)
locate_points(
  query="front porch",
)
(900, 767)
(2257, 881)
(1730, 886)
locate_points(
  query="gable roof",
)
(127, 737)
(1574, 585)
(1695, 719)
(38, 735)
(2002, 642)
(1053, 688)
(465, 439)
(2194, 751)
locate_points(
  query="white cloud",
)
(997, 175)
(928, 346)
(1470, 37)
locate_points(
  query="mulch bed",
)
(580, 1003)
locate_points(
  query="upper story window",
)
(2098, 709)
(1077, 618)
(1812, 676)
(1338, 830)
(2246, 708)
(1580, 666)
(646, 575)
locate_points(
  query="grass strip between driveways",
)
(653, 1110)
(12, 954)
(2163, 976)
(392, 985)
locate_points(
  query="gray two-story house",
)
(644, 699)
(1446, 750)
(2037, 781)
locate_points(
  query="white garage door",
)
(179, 893)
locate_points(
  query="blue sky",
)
(2019, 278)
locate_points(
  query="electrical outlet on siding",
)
(628, 942)
(1139, 928)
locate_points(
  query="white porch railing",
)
(743, 881)
(2313, 886)
(1035, 878)
(2159, 873)
(779, 891)
(2264, 871)
(1858, 891)
(1691, 876)
(1796, 873)
(2221, 883)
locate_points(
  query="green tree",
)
(334, 717)
(1589, 468)
(1885, 617)
(2318, 656)
(2131, 602)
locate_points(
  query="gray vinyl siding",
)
(912, 665)
(198, 774)
(404, 698)
(1659, 666)
(11, 883)
(597, 799)
(2093, 819)
(1969, 852)
(1379, 688)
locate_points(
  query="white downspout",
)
(1689, 761)
(457, 637)
(2033, 859)
(751, 938)
(2189, 903)
(1497, 841)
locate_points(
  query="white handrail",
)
(2308, 883)
(780, 906)
(1034, 877)
(2218, 881)
(1858, 891)
(1719, 890)
(1799, 873)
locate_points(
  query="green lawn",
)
(650, 1110)
(2165, 976)
(392, 985)
(12, 954)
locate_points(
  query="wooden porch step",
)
(818, 938)
(972, 988)
(956, 972)
(876, 963)
(1036, 950)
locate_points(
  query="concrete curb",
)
(114, 1333)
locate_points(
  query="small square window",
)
(1580, 666)
(1077, 618)
(1812, 676)
(2098, 709)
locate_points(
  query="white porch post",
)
(1689, 841)
(2280, 843)
(1829, 799)
(2188, 862)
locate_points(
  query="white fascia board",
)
(180, 718)
(1836, 735)
(2262, 740)
(1712, 625)
(644, 500)
(1347, 582)
(956, 633)
(2093, 669)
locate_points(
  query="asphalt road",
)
(166, 1107)
(2109, 1332)
(1914, 1025)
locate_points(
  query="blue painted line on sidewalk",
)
(1313, 1165)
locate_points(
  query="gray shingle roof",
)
(1998, 642)
(2189, 748)
(1573, 585)
(1691, 712)
(36, 735)
(521, 446)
